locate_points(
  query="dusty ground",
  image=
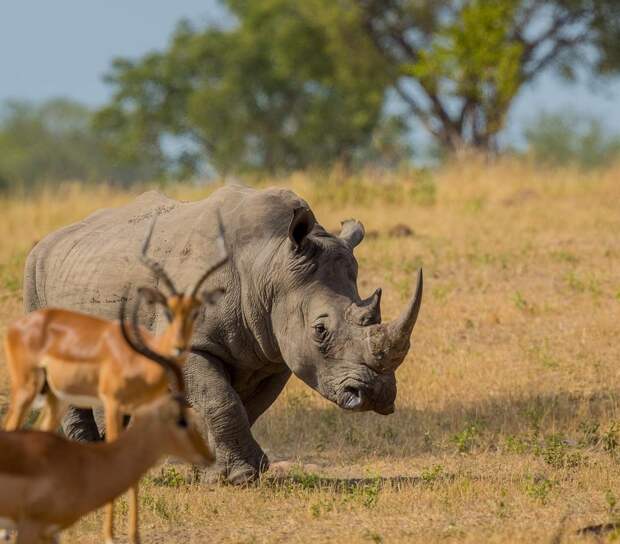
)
(507, 426)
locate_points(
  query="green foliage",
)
(568, 138)
(556, 453)
(610, 439)
(278, 91)
(517, 444)
(520, 301)
(169, 477)
(467, 438)
(538, 487)
(431, 475)
(372, 536)
(458, 64)
(54, 142)
(160, 507)
(475, 54)
(295, 85)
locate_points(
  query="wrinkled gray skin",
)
(291, 304)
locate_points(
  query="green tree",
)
(295, 84)
(54, 141)
(277, 91)
(458, 64)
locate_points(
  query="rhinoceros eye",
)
(320, 331)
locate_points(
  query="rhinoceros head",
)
(329, 337)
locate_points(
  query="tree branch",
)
(558, 25)
(551, 56)
(424, 116)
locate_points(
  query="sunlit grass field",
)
(507, 427)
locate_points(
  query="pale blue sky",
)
(62, 48)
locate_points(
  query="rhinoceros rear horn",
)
(398, 331)
(301, 224)
(352, 232)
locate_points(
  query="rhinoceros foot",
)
(244, 475)
(236, 471)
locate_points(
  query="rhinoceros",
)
(291, 304)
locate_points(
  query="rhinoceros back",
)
(85, 266)
(90, 265)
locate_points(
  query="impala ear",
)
(300, 226)
(152, 296)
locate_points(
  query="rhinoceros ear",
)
(352, 232)
(300, 226)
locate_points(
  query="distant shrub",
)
(570, 138)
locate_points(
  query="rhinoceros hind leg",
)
(79, 424)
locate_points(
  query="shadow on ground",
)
(328, 431)
(340, 485)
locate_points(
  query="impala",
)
(47, 482)
(68, 358)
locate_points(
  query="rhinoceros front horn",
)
(397, 332)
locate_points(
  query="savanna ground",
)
(507, 427)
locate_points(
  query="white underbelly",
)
(79, 401)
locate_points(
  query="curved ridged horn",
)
(221, 243)
(136, 342)
(373, 304)
(154, 266)
(392, 342)
(367, 312)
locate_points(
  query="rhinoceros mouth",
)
(356, 399)
(353, 398)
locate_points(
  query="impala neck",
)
(122, 463)
(165, 342)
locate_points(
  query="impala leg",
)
(134, 524)
(29, 533)
(21, 400)
(113, 425)
(52, 539)
(52, 413)
(134, 534)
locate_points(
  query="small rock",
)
(400, 230)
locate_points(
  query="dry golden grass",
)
(507, 426)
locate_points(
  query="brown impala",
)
(47, 482)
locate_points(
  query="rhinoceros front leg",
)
(239, 457)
